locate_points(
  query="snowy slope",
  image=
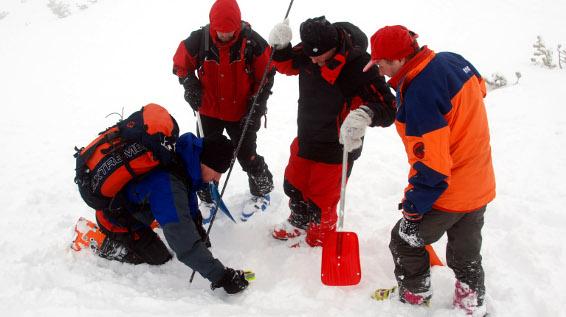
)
(60, 77)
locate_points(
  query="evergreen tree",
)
(542, 55)
(497, 81)
(561, 57)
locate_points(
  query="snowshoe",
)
(384, 293)
(207, 210)
(255, 204)
(286, 230)
(422, 299)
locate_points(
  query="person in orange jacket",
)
(442, 121)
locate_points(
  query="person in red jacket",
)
(329, 61)
(442, 121)
(221, 66)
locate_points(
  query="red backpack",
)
(123, 152)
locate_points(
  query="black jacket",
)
(328, 93)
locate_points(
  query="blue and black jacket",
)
(171, 197)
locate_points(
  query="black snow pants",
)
(260, 178)
(412, 266)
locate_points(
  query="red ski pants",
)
(319, 184)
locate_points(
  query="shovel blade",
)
(340, 259)
(218, 202)
(433, 258)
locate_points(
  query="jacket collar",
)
(414, 66)
(332, 68)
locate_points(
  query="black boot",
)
(299, 216)
(118, 249)
(148, 246)
(259, 177)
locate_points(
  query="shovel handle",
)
(342, 189)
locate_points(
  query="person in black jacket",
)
(329, 62)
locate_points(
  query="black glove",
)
(409, 229)
(201, 231)
(233, 281)
(260, 108)
(193, 91)
(255, 119)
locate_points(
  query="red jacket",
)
(227, 82)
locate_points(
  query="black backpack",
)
(356, 35)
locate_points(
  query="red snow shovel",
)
(340, 249)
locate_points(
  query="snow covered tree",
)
(561, 57)
(542, 55)
(497, 81)
(518, 75)
(3, 14)
(59, 8)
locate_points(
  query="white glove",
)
(354, 128)
(281, 35)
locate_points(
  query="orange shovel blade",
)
(434, 259)
(340, 259)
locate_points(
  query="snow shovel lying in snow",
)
(340, 249)
(218, 204)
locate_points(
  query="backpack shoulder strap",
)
(204, 47)
(82, 156)
(356, 35)
(249, 45)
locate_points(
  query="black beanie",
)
(318, 36)
(217, 152)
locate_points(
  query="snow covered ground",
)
(65, 65)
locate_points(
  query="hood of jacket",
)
(225, 17)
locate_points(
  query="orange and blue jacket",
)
(442, 121)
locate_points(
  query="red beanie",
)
(393, 42)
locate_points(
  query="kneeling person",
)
(168, 195)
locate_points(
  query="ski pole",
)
(250, 112)
(200, 132)
(244, 130)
